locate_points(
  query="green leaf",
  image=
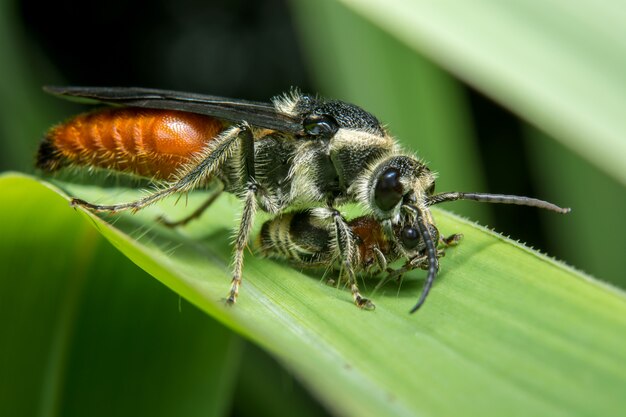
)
(558, 64)
(86, 332)
(595, 198)
(267, 389)
(506, 331)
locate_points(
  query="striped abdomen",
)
(298, 237)
(302, 238)
(145, 142)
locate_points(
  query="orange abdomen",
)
(370, 234)
(147, 142)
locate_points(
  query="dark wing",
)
(255, 113)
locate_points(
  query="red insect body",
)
(146, 142)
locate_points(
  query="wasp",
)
(297, 150)
(306, 238)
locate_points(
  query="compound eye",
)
(410, 237)
(389, 190)
(323, 125)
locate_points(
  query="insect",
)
(295, 151)
(306, 239)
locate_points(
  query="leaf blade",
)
(85, 332)
(553, 63)
(480, 345)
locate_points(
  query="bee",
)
(306, 239)
(295, 151)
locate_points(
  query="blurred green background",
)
(254, 50)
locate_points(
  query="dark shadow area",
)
(507, 168)
(222, 47)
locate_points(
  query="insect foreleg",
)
(451, 240)
(381, 260)
(346, 248)
(418, 262)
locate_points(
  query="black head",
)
(397, 180)
(325, 117)
(411, 240)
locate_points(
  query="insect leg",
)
(381, 260)
(198, 174)
(451, 240)
(347, 252)
(382, 264)
(247, 215)
(420, 261)
(245, 226)
(196, 213)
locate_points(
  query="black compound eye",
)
(410, 237)
(323, 125)
(389, 190)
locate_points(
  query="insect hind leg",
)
(198, 173)
(133, 205)
(249, 209)
(245, 226)
(196, 213)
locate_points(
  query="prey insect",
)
(306, 239)
(295, 151)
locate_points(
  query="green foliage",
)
(539, 58)
(85, 332)
(505, 331)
